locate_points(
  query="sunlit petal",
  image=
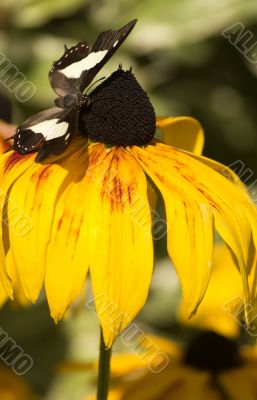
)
(120, 241)
(31, 193)
(67, 250)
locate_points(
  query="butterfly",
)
(51, 131)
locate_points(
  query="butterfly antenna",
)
(38, 143)
(98, 80)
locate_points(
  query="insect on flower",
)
(90, 200)
(52, 130)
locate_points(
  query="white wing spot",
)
(115, 43)
(75, 70)
(50, 129)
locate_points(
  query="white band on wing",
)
(74, 70)
(50, 129)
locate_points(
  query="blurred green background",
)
(180, 57)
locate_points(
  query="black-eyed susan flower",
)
(211, 367)
(88, 210)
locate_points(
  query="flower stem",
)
(103, 370)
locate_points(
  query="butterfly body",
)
(70, 101)
(51, 131)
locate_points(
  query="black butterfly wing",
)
(29, 135)
(49, 132)
(61, 83)
(79, 65)
(103, 49)
(61, 135)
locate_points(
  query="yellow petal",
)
(186, 133)
(211, 313)
(220, 168)
(19, 296)
(5, 281)
(3, 294)
(234, 212)
(67, 251)
(190, 226)
(32, 194)
(8, 175)
(119, 238)
(249, 208)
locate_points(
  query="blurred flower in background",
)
(211, 366)
(13, 387)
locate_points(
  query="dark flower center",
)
(212, 352)
(120, 112)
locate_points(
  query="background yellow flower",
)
(211, 367)
(224, 288)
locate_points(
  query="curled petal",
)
(234, 214)
(185, 133)
(190, 227)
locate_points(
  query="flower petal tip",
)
(192, 314)
(57, 315)
(56, 319)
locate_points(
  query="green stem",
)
(103, 370)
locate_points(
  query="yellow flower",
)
(13, 387)
(224, 287)
(89, 208)
(211, 367)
